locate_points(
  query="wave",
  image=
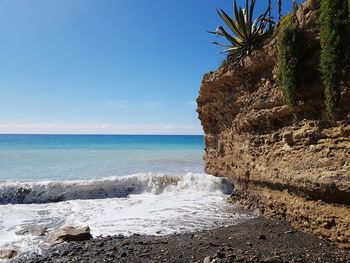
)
(111, 187)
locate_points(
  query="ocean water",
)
(69, 157)
(115, 184)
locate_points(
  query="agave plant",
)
(269, 13)
(279, 10)
(247, 32)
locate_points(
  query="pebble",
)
(262, 237)
(183, 248)
(274, 259)
(220, 254)
(289, 232)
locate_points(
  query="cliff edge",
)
(284, 162)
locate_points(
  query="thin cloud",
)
(98, 128)
(152, 104)
(116, 104)
(122, 104)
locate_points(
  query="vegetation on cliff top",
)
(288, 58)
(333, 32)
(334, 25)
(247, 32)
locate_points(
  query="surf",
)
(110, 187)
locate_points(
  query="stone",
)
(262, 237)
(240, 259)
(274, 259)
(207, 259)
(220, 254)
(315, 148)
(69, 234)
(8, 254)
(230, 257)
(287, 148)
(288, 138)
(274, 137)
(33, 230)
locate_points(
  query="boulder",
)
(69, 234)
(8, 254)
(32, 230)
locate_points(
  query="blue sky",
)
(105, 66)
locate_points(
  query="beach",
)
(256, 240)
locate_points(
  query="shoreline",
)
(255, 240)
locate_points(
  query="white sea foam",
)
(117, 186)
(142, 203)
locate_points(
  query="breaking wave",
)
(111, 187)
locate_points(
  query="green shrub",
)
(288, 50)
(333, 30)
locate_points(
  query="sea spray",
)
(117, 186)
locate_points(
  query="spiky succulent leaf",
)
(234, 41)
(230, 50)
(239, 19)
(246, 13)
(216, 32)
(230, 23)
(251, 12)
(246, 31)
(221, 45)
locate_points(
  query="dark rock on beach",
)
(240, 243)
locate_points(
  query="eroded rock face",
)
(288, 163)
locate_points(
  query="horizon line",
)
(102, 134)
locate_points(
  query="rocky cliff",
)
(285, 163)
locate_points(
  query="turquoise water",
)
(71, 157)
(152, 185)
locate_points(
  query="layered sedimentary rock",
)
(286, 163)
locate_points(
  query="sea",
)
(115, 184)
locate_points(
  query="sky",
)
(106, 66)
